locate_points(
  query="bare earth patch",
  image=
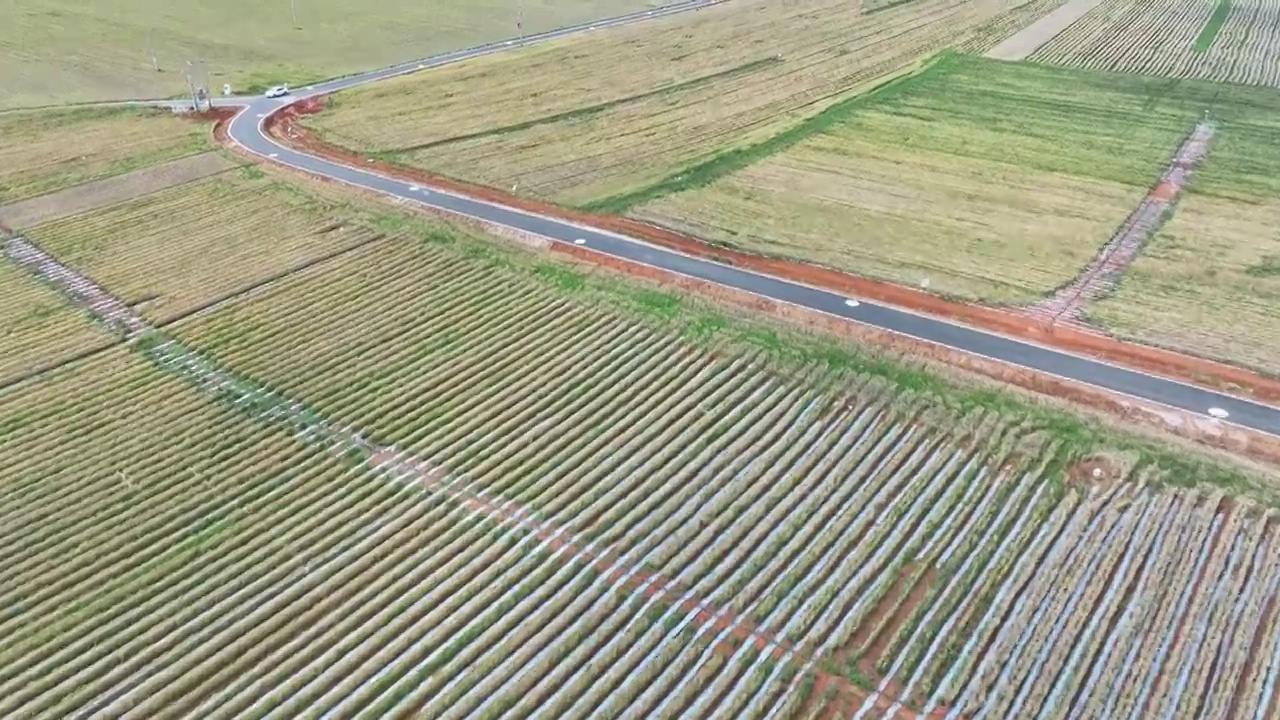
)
(111, 191)
(1021, 45)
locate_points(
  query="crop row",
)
(37, 327)
(577, 515)
(764, 500)
(760, 498)
(1158, 37)
(1147, 604)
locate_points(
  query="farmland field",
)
(38, 327)
(181, 248)
(981, 179)
(58, 51)
(50, 151)
(1236, 41)
(451, 479)
(1209, 282)
(600, 116)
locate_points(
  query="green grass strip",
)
(1211, 28)
(731, 161)
(590, 110)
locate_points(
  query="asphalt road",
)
(246, 129)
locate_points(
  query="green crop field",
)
(1209, 282)
(59, 51)
(435, 475)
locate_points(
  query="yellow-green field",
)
(58, 51)
(602, 115)
(438, 477)
(199, 241)
(1209, 282)
(47, 151)
(38, 328)
(978, 179)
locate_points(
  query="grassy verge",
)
(731, 161)
(1210, 32)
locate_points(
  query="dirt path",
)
(111, 191)
(1022, 44)
(401, 467)
(1101, 276)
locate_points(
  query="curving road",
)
(246, 129)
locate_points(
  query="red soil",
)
(1165, 191)
(284, 126)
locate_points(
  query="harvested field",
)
(596, 118)
(977, 179)
(38, 328)
(48, 151)
(562, 497)
(58, 51)
(176, 250)
(1236, 41)
(110, 191)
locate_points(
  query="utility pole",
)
(191, 85)
(520, 20)
(151, 50)
(293, 12)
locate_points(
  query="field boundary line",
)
(114, 190)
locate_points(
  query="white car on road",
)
(278, 91)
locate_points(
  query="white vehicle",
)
(278, 91)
